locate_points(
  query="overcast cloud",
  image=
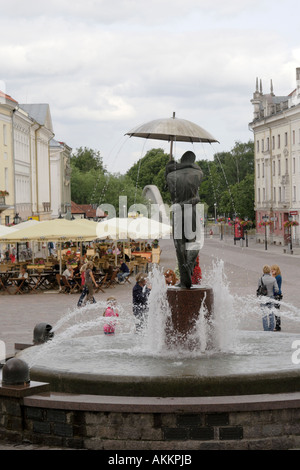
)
(105, 67)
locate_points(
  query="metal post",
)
(265, 219)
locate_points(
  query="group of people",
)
(270, 303)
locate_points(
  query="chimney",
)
(298, 80)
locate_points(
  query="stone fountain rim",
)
(100, 384)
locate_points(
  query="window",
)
(273, 142)
(258, 170)
(286, 166)
(273, 168)
(257, 144)
(294, 138)
(6, 179)
(285, 139)
(262, 145)
(279, 194)
(4, 134)
(279, 168)
(268, 144)
(294, 165)
(258, 195)
(278, 141)
(263, 170)
(274, 194)
(264, 194)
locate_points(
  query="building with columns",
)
(29, 187)
(276, 129)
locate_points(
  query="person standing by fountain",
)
(140, 294)
(268, 306)
(90, 282)
(111, 311)
(183, 181)
(277, 274)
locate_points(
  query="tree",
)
(225, 179)
(87, 159)
(151, 170)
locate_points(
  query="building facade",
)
(276, 129)
(60, 171)
(29, 187)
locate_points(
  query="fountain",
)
(191, 348)
(224, 359)
(191, 345)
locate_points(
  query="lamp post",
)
(215, 206)
(246, 230)
(265, 219)
(17, 220)
(234, 222)
(291, 241)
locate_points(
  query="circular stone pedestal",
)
(185, 305)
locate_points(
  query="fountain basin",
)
(261, 363)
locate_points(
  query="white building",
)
(276, 128)
(60, 173)
(26, 166)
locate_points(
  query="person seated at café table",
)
(23, 275)
(69, 275)
(108, 269)
(123, 272)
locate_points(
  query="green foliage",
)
(151, 170)
(87, 159)
(91, 184)
(229, 181)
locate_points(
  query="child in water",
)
(111, 311)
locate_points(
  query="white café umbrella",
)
(140, 228)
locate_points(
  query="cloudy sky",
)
(106, 67)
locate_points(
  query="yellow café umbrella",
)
(58, 230)
(52, 230)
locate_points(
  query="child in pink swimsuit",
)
(111, 311)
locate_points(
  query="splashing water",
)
(222, 345)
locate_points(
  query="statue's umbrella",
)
(172, 130)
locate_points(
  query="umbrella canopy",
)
(140, 228)
(27, 223)
(172, 129)
(53, 230)
(4, 230)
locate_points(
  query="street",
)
(242, 266)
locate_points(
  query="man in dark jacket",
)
(183, 180)
(140, 294)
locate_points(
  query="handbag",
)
(262, 289)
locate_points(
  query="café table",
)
(143, 254)
(38, 281)
(18, 282)
(3, 280)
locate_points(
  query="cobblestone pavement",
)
(242, 266)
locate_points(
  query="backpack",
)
(262, 289)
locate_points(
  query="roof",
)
(7, 97)
(86, 209)
(76, 209)
(40, 112)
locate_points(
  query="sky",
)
(106, 67)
